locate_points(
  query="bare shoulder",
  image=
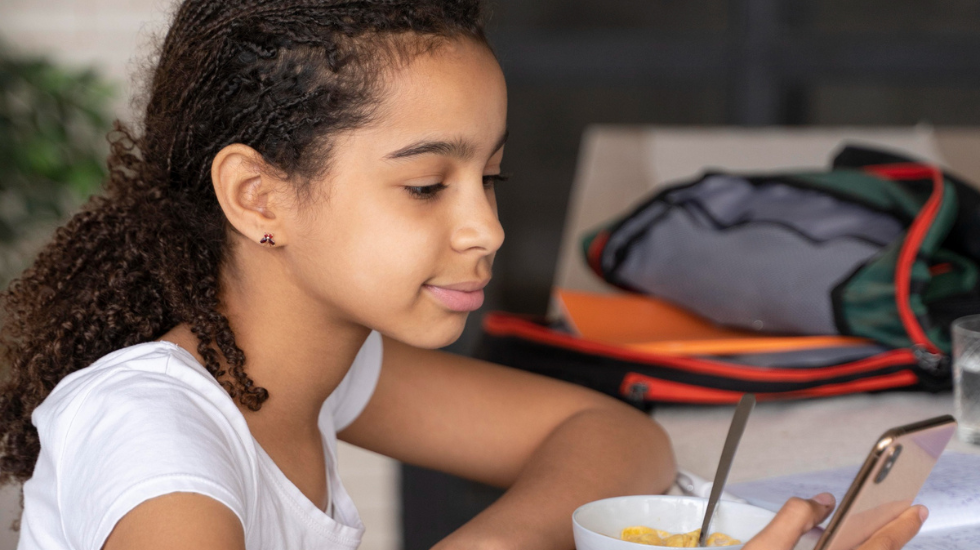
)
(178, 520)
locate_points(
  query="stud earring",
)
(267, 239)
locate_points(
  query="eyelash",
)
(428, 192)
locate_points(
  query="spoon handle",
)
(742, 411)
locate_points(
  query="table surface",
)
(789, 437)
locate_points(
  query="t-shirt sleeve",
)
(357, 387)
(138, 435)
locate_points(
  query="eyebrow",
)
(458, 148)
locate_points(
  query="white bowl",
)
(597, 525)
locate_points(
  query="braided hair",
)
(281, 76)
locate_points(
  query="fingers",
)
(795, 518)
(897, 533)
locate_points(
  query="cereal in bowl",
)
(655, 537)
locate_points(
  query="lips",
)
(459, 297)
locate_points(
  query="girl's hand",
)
(798, 516)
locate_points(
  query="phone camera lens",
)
(889, 462)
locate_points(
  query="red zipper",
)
(637, 386)
(913, 241)
(508, 325)
(594, 255)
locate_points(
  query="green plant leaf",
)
(52, 147)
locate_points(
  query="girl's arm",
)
(188, 521)
(555, 445)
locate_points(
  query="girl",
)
(307, 211)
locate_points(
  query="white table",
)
(791, 437)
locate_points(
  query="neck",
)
(294, 348)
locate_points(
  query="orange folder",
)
(647, 324)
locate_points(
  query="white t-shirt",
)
(148, 420)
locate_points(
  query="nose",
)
(477, 227)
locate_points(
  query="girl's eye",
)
(425, 192)
(489, 181)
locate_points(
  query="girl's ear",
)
(248, 194)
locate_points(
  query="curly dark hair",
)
(281, 76)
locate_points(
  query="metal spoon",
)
(742, 411)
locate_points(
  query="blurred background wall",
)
(571, 63)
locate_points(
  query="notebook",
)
(647, 324)
(952, 494)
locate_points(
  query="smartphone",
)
(888, 482)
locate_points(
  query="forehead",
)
(455, 90)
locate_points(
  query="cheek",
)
(385, 255)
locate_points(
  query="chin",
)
(436, 335)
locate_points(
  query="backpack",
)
(878, 247)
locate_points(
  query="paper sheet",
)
(949, 539)
(952, 494)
